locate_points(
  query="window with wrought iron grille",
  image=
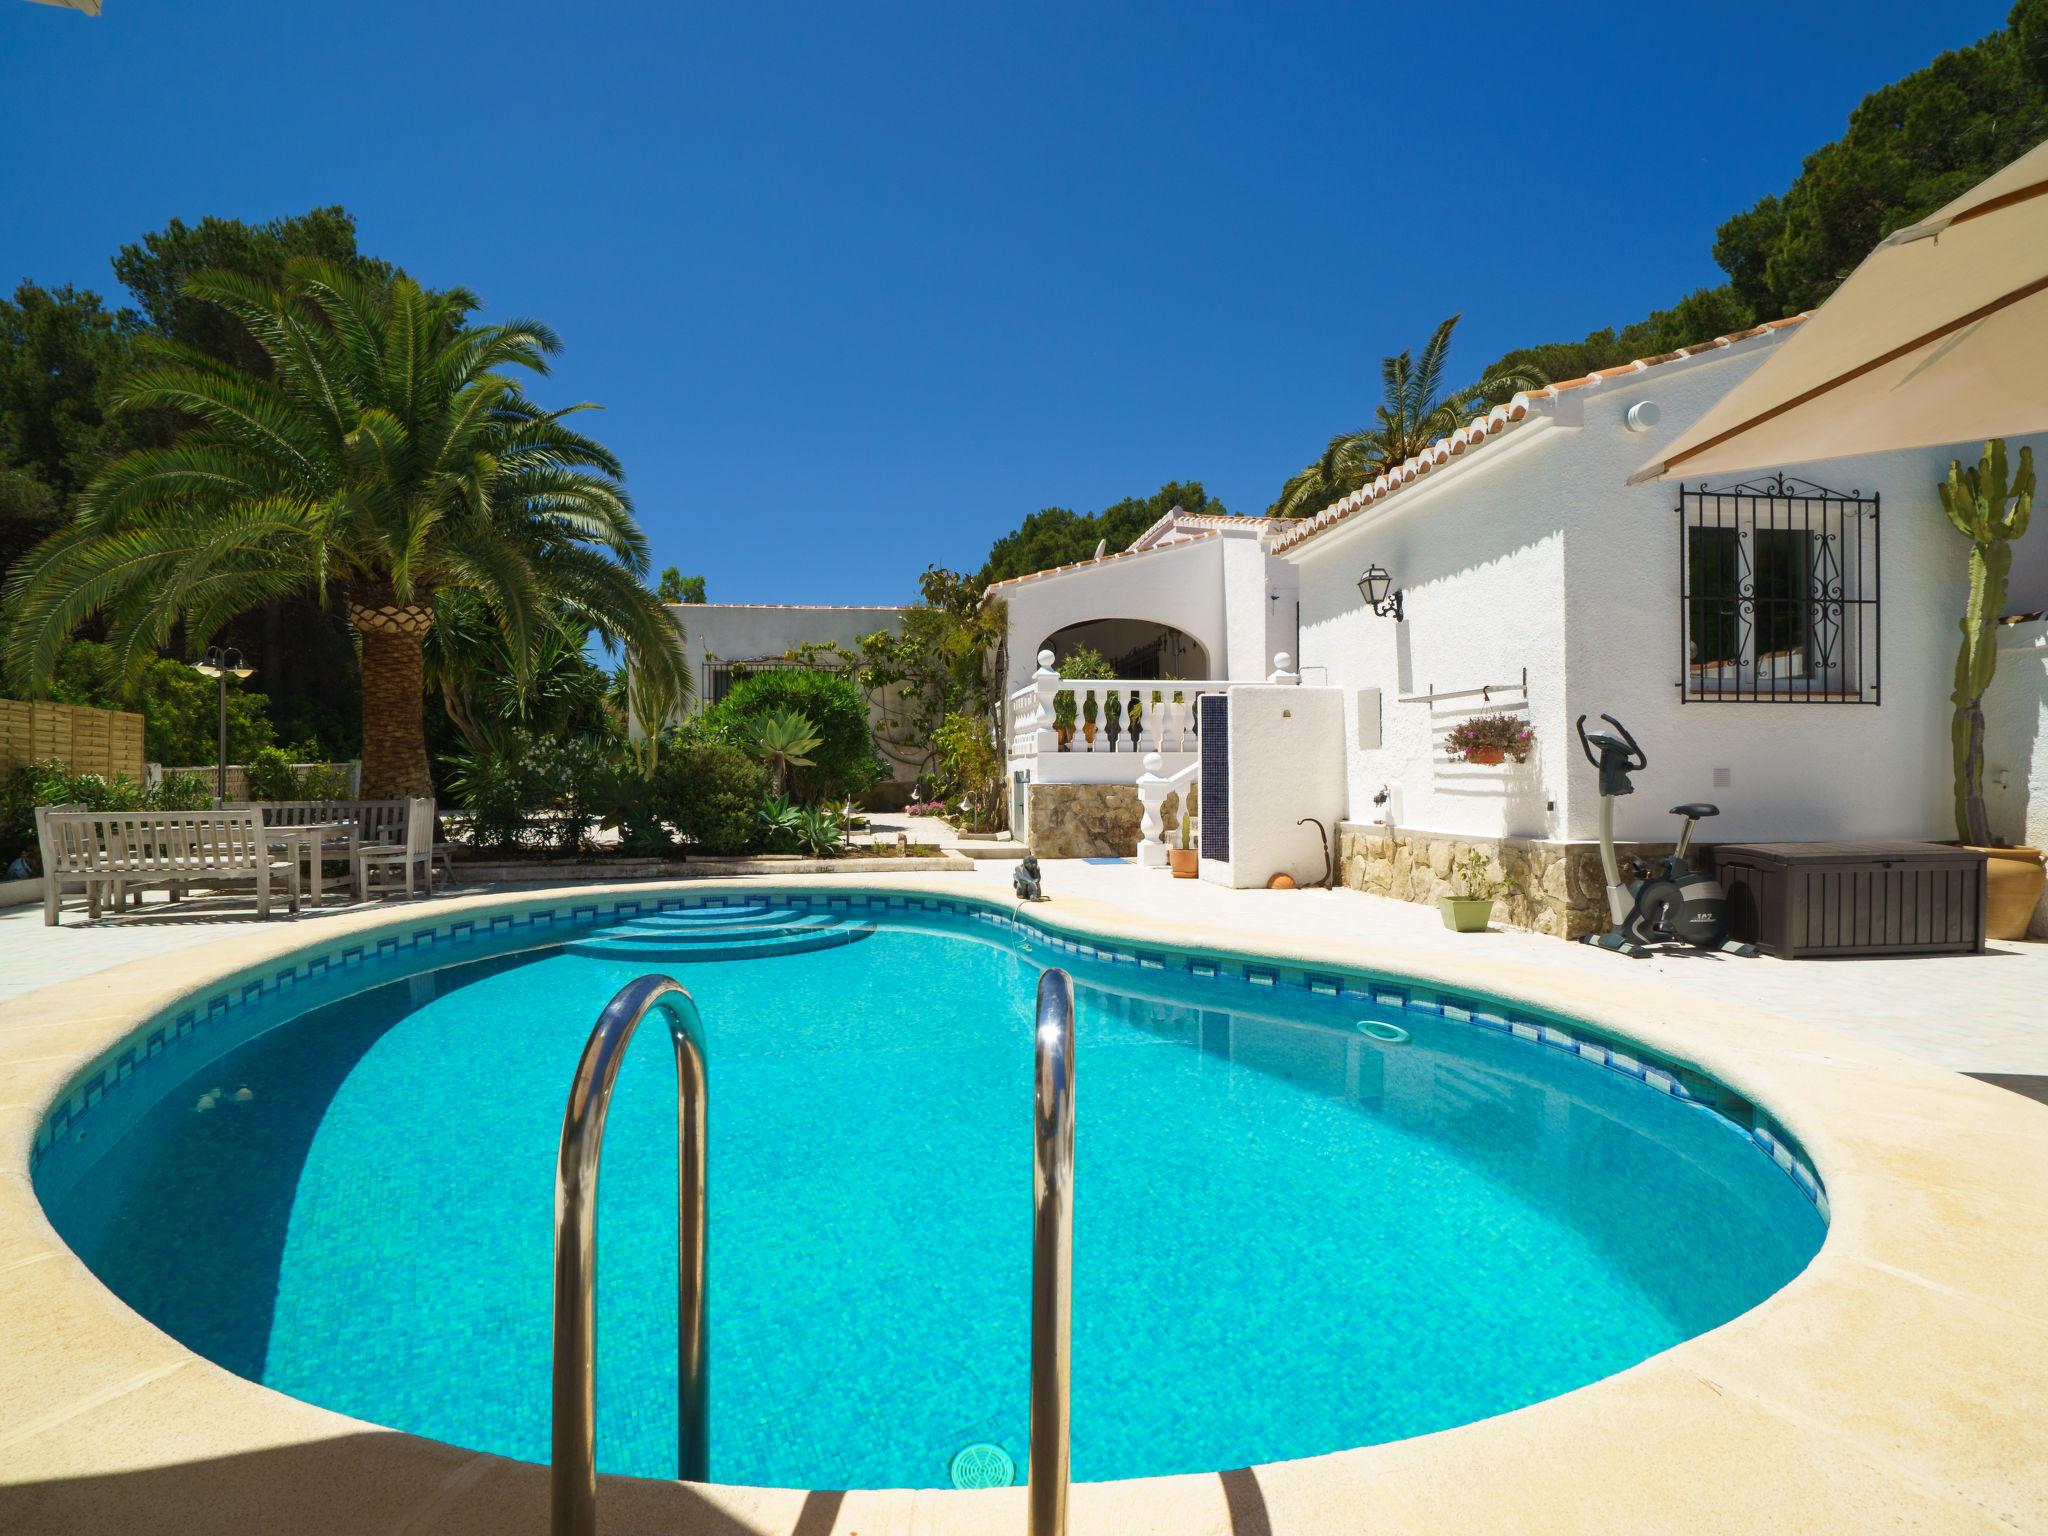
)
(1778, 594)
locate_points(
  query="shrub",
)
(272, 777)
(49, 782)
(181, 792)
(973, 770)
(844, 764)
(709, 791)
(494, 787)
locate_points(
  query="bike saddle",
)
(1697, 812)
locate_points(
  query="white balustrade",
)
(1154, 790)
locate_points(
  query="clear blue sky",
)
(862, 285)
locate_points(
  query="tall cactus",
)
(1976, 502)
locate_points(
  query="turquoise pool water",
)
(1290, 1236)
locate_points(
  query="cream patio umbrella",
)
(1940, 336)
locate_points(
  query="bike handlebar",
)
(1637, 758)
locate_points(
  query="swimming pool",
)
(1291, 1235)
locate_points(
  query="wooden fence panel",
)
(102, 741)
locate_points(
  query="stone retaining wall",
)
(1555, 887)
(1083, 821)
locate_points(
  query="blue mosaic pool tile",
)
(1452, 1007)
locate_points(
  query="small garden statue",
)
(1029, 886)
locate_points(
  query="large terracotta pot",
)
(1185, 863)
(2015, 876)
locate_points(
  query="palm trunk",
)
(394, 700)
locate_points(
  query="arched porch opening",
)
(1134, 648)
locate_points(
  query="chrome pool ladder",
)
(1052, 1252)
(574, 1474)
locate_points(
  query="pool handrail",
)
(1052, 1253)
(573, 1475)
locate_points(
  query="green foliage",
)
(1057, 536)
(777, 823)
(1990, 507)
(818, 832)
(157, 268)
(675, 587)
(1082, 664)
(180, 707)
(49, 782)
(181, 792)
(709, 790)
(272, 776)
(60, 351)
(781, 737)
(971, 770)
(1415, 410)
(843, 763)
(1472, 878)
(390, 452)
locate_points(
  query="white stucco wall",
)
(1535, 552)
(1219, 589)
(1778, 771)
(2016, 744)
(1480, 567)
(1286, 762)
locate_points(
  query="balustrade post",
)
(1152, 793)
(1047, 681)
(1283, 669)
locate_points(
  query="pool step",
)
(710, 919)
(692, 943)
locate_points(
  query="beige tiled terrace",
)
(1899, 1384)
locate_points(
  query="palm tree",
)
(1414, 411)
(393, 454)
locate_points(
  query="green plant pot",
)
(1464, 915)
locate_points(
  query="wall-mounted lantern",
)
(1376, 587)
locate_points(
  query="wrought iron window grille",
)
(1778, 594)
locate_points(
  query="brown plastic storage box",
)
(1803, 900)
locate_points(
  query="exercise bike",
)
(1670, 902)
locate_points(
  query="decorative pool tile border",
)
(403, 951)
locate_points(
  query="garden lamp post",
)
(222, 664)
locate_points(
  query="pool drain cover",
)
(982, 1466)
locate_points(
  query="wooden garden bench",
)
(111, 852)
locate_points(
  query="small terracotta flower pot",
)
(1185, 863)
(1487, 755)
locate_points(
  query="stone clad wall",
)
(1083, 821)
(1557, 888)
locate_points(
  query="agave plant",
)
(782, 737)
(780, 822)
(392, 453)
(818, 832)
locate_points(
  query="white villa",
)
(1782, 647)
